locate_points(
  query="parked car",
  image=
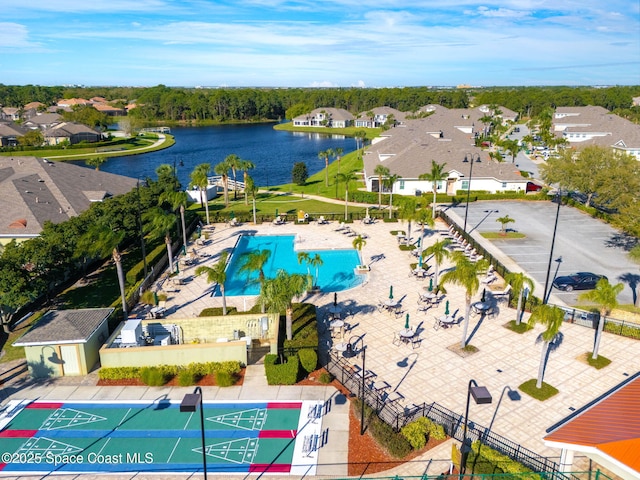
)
(577, 281)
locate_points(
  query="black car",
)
(577, 281)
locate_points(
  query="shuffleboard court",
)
(116, 437)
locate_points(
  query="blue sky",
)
(333, 43)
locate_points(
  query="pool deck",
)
(432, 373)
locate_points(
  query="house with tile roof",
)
(34, 191)
(43, 121)
(585, 126)
(447, 137)
(607, 430)
(325, 117)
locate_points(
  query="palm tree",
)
(512, 147)
(304, 257)
(504, 221)
(325, 154)
(358, 244)
(245, 166)
(200, 180)
(316, 262)
(338, 152)
(466, 274)
(360, 135)
(177, 200)
(96, 161)
(100, 240)
(605, 296)
(518, 282)
(277, 293)
(222, 169)
(389, 182)
(551, 317)
(437, 174)
(439, 251)
(346, 178)
(217, 274)
(255, 261)
(380, 171)
(423, 217)
(407, 212)
(233, 162)
(159, 222)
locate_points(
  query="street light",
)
(469, 158)
(190, 403)
(363, 372)
(545, 296)
(482, 397)
(558, 261)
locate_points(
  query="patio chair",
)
(436, 323)
(396, 339)
(321, 220)
(423, 307)
(416, 341)
(340, 227)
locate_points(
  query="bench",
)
(310, 444)
(315, 412)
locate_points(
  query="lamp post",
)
(482, 397)
(190, 403)
(364, 351)
(545, 296)
(558, 261)
(469, 158)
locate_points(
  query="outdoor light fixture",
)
(364, 351)
(558, 261)
(190, 403)
(545, 294)
(482, 397)
(469, 158)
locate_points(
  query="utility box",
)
(131, 332)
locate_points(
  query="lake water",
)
(273, 152)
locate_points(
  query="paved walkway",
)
(433, 372)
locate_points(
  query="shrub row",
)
(483, 459)
(136, 273)
(394, 442)
(163, 373)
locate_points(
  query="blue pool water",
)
(336, 273)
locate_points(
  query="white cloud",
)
(323, 84)
(15, 35)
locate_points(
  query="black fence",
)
(397, 416)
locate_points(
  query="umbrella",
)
(391, 292)
(276, 212)
(431, 284)
(155, 298)
(335, 298)
(420, 261)
(406, 322)
(484, 293)
(184, 249)
(446, 308)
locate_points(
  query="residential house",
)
(379, 116)
(34, 191)
(447, 137)
(584, 126)
(71, 102)
(43, 121)
(325, 117)
(70, 132)
(9, 134)
(10, 113)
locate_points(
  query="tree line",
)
(178, 104)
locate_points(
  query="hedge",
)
(281, 373)
(483, 459)
(194, 369)
(136, 273)
(308, 359)
(394, 442)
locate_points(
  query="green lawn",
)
(502, 235)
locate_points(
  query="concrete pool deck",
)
(433, 372)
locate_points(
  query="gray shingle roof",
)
(65, 326)
(37, 191)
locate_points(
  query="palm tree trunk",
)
(391, 202)
(436, 273)
(117, 258)
(226, 190)
(346, 203)
(167, 241)
(184, 228)
(326, 171)
(519, 308)
(598, 336)
(379, 192)
(246, 195)
(433, 205)
(289, 322)
(545, 347)
(224, 300)
(465, 326)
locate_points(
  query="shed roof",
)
(64, 326)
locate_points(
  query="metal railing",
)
(397, 416)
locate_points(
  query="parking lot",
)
(583, 243)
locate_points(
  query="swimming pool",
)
(336, 274)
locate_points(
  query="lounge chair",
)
(321, 220)
(340, 227)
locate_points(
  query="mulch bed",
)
(206, 381)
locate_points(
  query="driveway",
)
(583, 243)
